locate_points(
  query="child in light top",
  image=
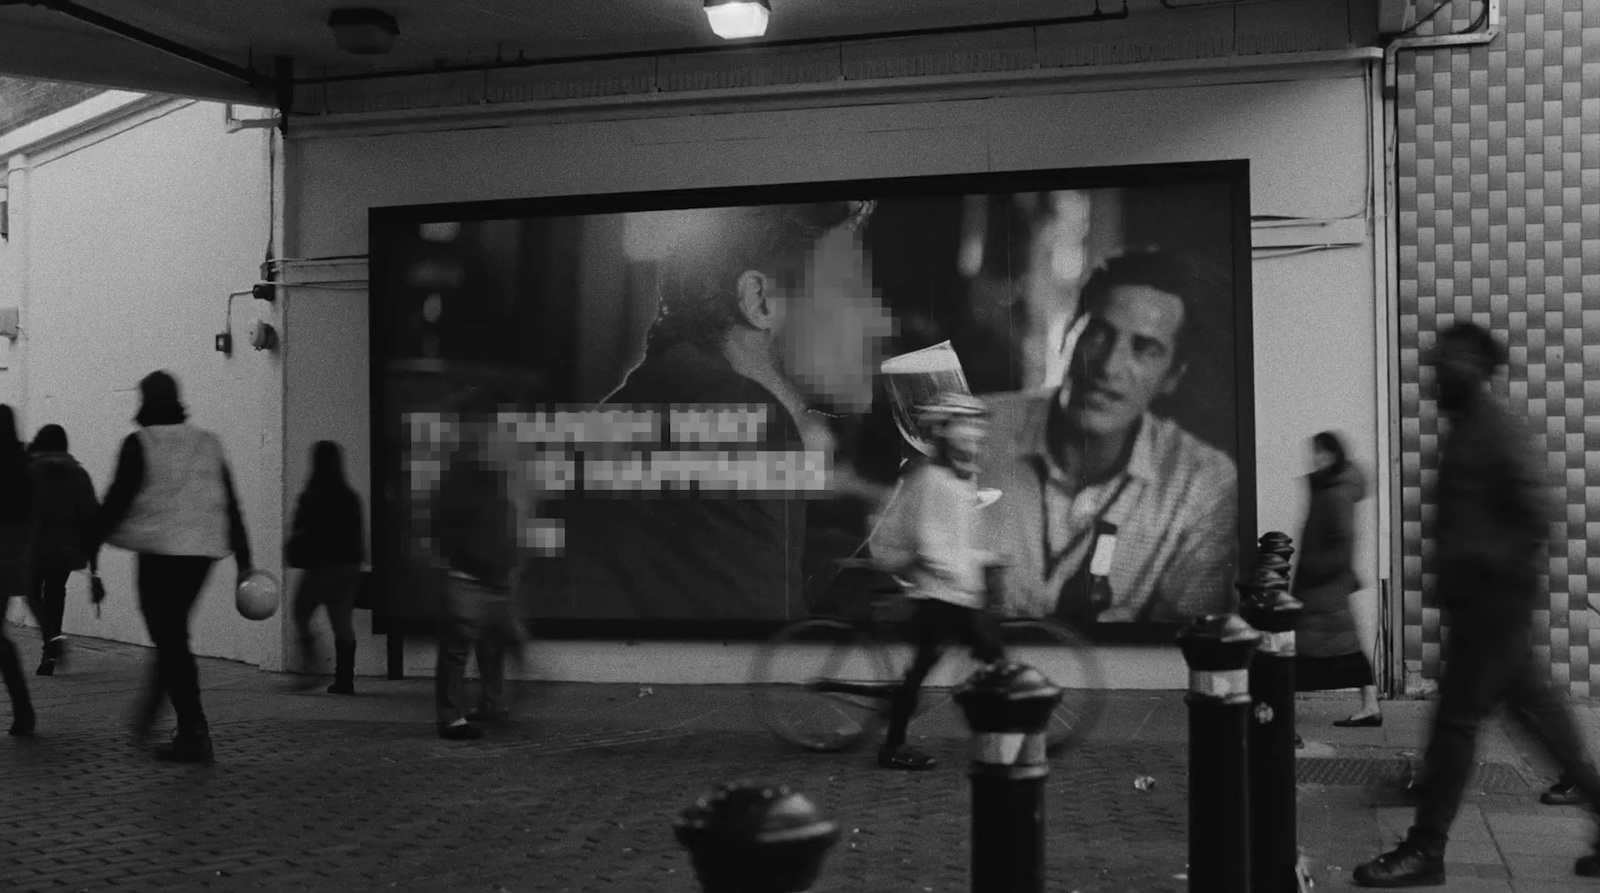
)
(928, 538)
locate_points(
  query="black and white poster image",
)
(704, 410)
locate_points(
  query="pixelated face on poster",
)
(700, 415)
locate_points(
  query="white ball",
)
(257, 595)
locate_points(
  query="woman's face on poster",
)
(834, 327)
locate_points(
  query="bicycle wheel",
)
(820, 684)
(1069, 660)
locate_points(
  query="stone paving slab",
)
(313, 792)
(365, 804)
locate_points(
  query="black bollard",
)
(755, 837)
(1274, 564)
(1218, 648)
(1008, 707)
(1274, 842)
(1276, 543)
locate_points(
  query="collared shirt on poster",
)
(1175, 506)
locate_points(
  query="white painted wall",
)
(136, 233)
(1307, 141)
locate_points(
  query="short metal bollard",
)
(1274, 564)
(1008, 707)
(755, 837)
(1276, 543)
(1218, 649)
(1274, 836)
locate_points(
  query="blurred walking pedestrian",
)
(1494, 515)
(63, 539)
(172, 503)
(16, 523)
(1329, 655)
(326, 542)
(930, 538)
(476, 521)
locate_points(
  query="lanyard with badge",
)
(1102, 552)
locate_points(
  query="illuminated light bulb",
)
(736, 19)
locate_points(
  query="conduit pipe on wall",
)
(19, 195)
(1492, 25)
(234, 124)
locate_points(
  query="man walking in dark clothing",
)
(1493, 519)
(476, 520)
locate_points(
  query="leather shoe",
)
(190, 747)
(22, 723)
(1562, 793)
(905, 757)
(1404, 866)
(1372, 721)
(461, 731)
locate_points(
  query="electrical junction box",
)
(224, 343)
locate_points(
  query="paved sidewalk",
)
(315, 792)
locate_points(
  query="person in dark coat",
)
(327, 542)
(63, 539)
(1494, 511)
(16, 523)
(1328, 652)
(476, 516)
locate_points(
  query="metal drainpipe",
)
(1391, 124)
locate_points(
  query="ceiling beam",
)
(1395, 16)
(742, 47)
(103, 62)
(250, 77)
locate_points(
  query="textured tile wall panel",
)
(1499, 217)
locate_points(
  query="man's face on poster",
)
(1126, 358)
(832, 330)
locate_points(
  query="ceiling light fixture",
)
(363, 31)
(738, 19)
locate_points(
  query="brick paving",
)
(314, 792)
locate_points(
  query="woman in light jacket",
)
(16, 523)
(63, 539)
(172, 502)
(1328, 651)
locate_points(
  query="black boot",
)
(55, 652)
(1407, 865)
(188, 746)
(344, 669)
(22, 716)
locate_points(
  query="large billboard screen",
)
(700, 399)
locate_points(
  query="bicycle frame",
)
(881, 690)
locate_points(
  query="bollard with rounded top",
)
(755, 837)
(1276, 543)
(1274, 842)
(1008, 707)
(1218, 649)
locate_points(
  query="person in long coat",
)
(327, 543)
(63, 537)
(16, 559)
(1328, 652)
